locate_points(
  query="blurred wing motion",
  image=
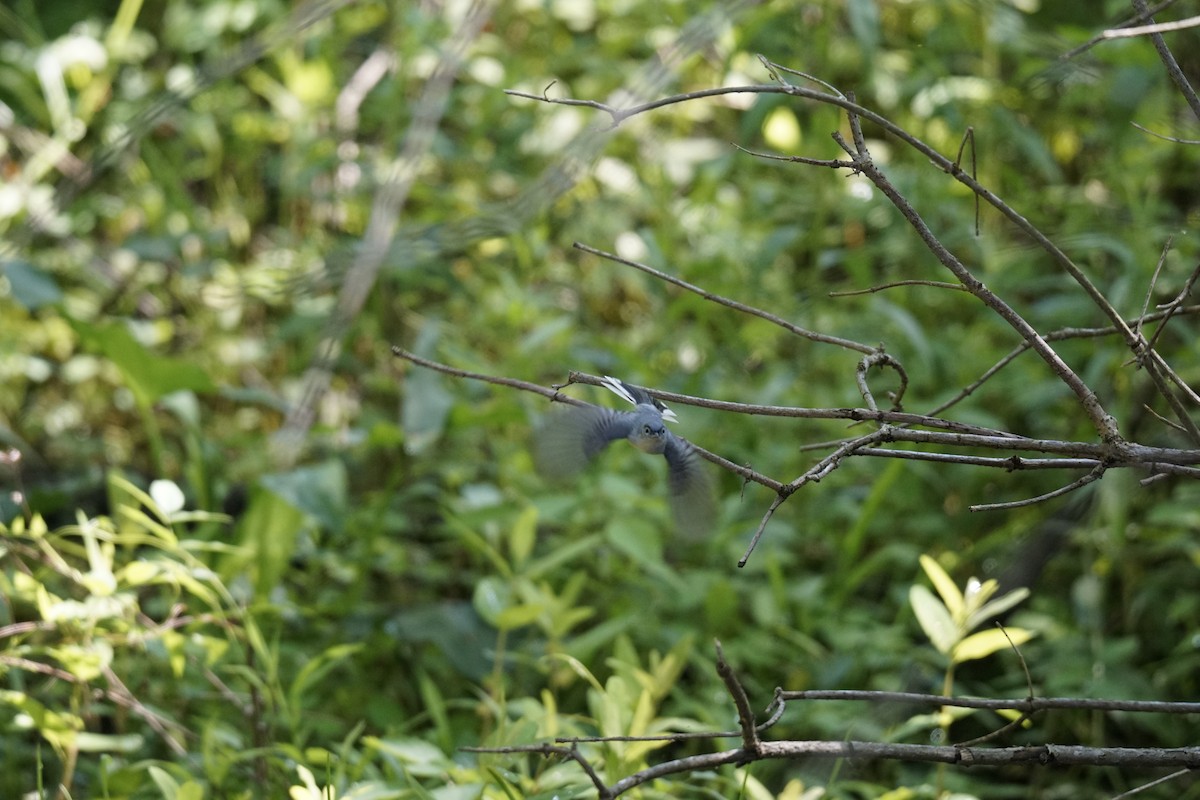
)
(569, 439)
(692, 501)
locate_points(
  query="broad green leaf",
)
(934, 619)
(519, 616)
(491, 597)
(267, 534)
(319, 490)
(31, 286)
(150, 376)
(418, 756)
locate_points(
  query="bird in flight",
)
(568, 441)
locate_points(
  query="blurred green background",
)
(184, 188)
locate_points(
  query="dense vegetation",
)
(207, 594)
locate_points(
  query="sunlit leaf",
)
(984, 643)
(934, 619)
(945, 587)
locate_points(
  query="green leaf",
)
(949, 593)
(562, 555)
(315, 669)
(996, 607)
(522, 536)
(267, 534)
(418, 756)
(108, 743)
(984, 643)
(148, 375)
(492, 595)
(319, 491)
(165, 783)
(519, 616)
(31, 287)
(934, 619)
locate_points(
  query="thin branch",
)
(750, 740)
(556, 396)
(728, 303)
(1152, 784)
(880, 359)
(551, 750)
(1163, 136)
(1009, 463)
(813, 474)
(1170, 309)
(762, 526)
(969, 137)
(1162, 259)
(957, 287)
(1095, 475)
(773, 69)
(833, 163)
(1054, 336)
(1026, 704)
(495, 380)
(1143, 30)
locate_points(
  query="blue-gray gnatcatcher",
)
(569, 440)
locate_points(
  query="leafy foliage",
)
(344, 625)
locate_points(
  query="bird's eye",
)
(646, 430)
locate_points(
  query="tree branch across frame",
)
(753, 748)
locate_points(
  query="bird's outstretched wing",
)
(691, 491)
(568, 439)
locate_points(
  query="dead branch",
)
(753, 748)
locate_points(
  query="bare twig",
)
(1152, 784)
(1162, 259)
(1095, 475)
(969, 138)
(1163, 136)
(1029, 704)
(728, 303)
(1143, 30)
(880, 359)
(750, 741)
(957, 287)
(833, 163)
